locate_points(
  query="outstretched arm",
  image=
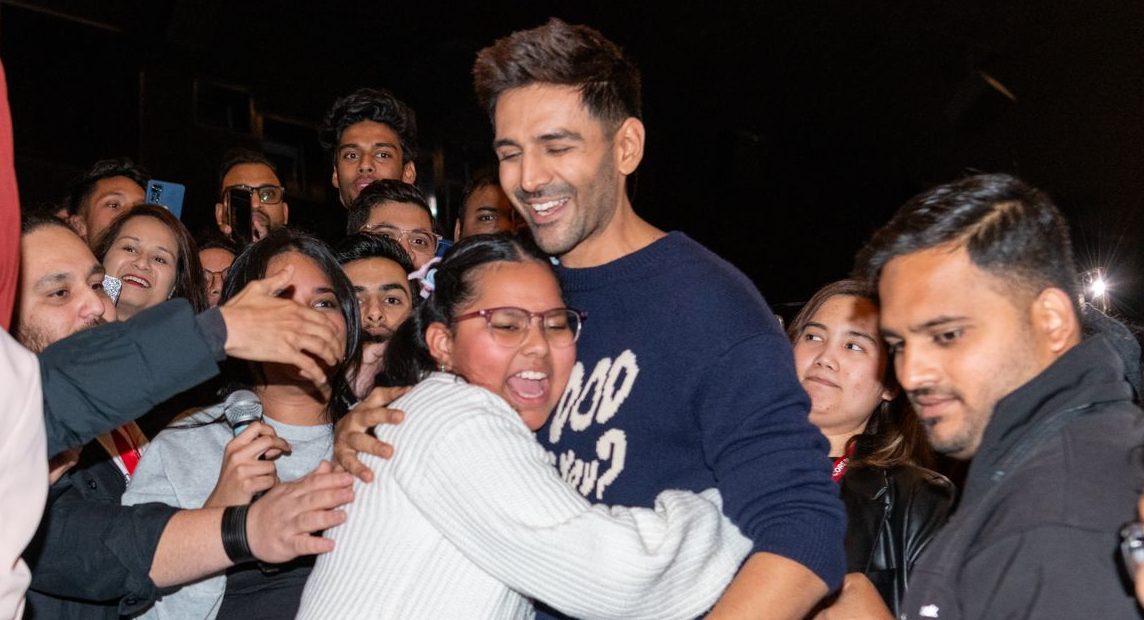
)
(166, 350)
(280, 526)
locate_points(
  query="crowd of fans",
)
(561, 411)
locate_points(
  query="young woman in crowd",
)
(154, 257)
(200, 462)
(894, 505)
(470, 518)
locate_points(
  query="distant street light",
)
(1095, 288)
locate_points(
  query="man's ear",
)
(285, 213)
(629, 145)
(457, 230)
(440, 341)
(334, 179)
(1055, 321)
(408, 173)
(78, 224)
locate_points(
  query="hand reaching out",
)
(351, 434)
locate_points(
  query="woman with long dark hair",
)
(470, 518)
(201, 462)
(894, 505)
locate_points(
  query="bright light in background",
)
(1096, 288)
(1099, 287)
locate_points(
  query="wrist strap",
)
(234, 541)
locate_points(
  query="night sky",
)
(779, 134)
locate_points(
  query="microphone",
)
(241, 408)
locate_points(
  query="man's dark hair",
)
(370, 104)
(213, 238)
(485, 177)
(82, 186)
(382, 191)
(32, 221)
(559, 53)
(362, 245)
(1009, 228)
(239, 155)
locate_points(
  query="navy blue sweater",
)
(684, 380)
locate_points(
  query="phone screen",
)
(240, 214)
(168, 194)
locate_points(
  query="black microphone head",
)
(241, 408)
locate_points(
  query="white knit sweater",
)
(470, 520)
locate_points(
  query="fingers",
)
(364, 417)
(274, 282)
(308, 369)
(382, 396)
(313, 545)
(372, 352)
(363, 442)
(263, 445)
(319, 339)
(348, 460)
(282, 522)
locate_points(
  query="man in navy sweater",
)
(684, 379)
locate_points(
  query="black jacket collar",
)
(1089, 373)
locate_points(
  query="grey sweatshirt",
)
(180, 468)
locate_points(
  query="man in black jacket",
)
(979, 306)
(92, 557)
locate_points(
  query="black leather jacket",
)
(893, 513)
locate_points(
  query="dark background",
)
(779, 134)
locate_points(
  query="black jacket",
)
(892, 516)
(91, 557)
(1057, 473)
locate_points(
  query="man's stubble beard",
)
(36, 340)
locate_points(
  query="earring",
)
(442, 367)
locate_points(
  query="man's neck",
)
(627, 233)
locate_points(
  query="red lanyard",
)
(841, 463)
(126, 449)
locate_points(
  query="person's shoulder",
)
(692, 257)
(910, 475)
(192, 427)
(446, 399)
(918, 484)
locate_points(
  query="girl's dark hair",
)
(407, 358)
(188, 270)
(251, 265)
(894, 435)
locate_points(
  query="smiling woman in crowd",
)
(154, 257)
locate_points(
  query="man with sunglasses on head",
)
(252, 171)
(397, 211)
